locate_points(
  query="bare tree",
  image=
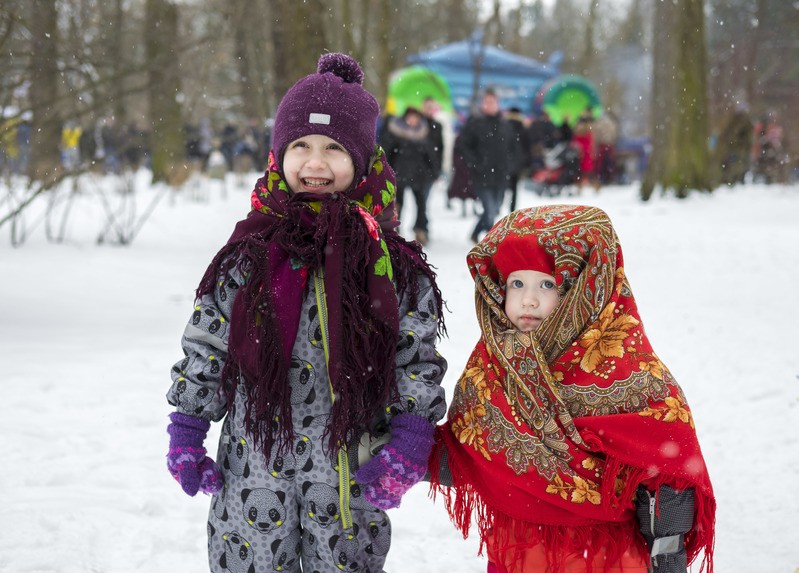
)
(588, 56)
(680, 158)
(493, 29)
(754, 56)
(631, 30)
(163, 93)
(384, 61)
(118, 61)
(45, 161)
(249, 40)
(364, 8)
(461, 17)
(298, 33)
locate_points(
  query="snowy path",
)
(89, 334)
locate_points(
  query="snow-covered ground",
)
(88, 335)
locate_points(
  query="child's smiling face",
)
(317, 164)
(530, 297)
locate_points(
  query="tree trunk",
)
(384, 59)
(298, 39)
(589, 50)
(166, 143)
(119, 65)
(752, 93)
(347, 28)
(281, 51)
(680, 158)
(45, 157)
(249, 40)
(365, 7)
(460, 19)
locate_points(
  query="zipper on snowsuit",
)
(652, 504)
(343, 460)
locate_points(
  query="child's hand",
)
(186, 460)
(664, 519)
(400, 464)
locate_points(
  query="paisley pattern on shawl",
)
(351, 240)
(550, 432)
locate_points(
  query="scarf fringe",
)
(505, 533)
(363, 343)
(409, 255)
(619, 482)
(511, 537)
(701, 538)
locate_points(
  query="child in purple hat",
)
(313, 338)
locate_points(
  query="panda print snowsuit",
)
(303, 508)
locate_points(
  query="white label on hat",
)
(319, 118)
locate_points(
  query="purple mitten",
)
(186, 459)
(400, 464)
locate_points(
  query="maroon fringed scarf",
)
(367, 266)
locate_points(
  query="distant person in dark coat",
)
(606, 134)
(406, 141)
(522, 156)
(563, 132)
(487, 146)
(542, 136)
(733, 146)
(460, 184)
(436, 138)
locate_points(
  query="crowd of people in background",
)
(496, 152)
(15, 137)
(580, 153)
(109, 147)
(751, 147)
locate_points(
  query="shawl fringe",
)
(510, 535)
(701, 538)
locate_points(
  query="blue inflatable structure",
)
(470, 65)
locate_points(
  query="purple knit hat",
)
(331, 102)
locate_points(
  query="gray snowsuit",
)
(304, 507)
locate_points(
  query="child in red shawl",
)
(565, 424)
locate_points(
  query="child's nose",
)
(315, 160)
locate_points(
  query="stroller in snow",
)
(561, 168)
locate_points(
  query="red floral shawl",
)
(550, 433)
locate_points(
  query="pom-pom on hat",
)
(522, 253)
(331, 102)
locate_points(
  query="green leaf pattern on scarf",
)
(383, 264)
(388, 194)
(367, 203)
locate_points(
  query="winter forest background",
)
(99, 255)
(162, 68)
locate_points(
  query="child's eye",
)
(548, 285)
(516, 283)
(335, 147)
(300, 144)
